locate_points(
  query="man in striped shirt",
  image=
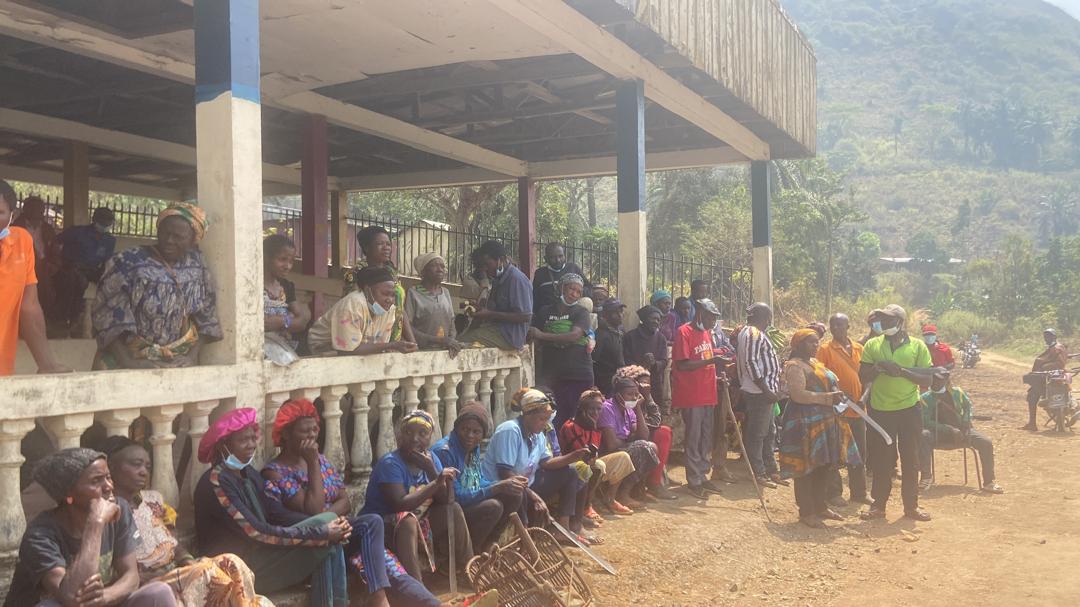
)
(759, 382)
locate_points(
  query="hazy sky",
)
(1071, 6)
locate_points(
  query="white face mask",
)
(562, 298)
(891, 331)
(940, 390)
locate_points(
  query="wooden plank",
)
(566, 26)
(97, 184)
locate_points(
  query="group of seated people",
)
(112, 541)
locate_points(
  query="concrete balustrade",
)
(349, 387)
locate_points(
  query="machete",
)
(573, 538)
(850, 404)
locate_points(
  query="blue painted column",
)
(630, 169)
(229, 154)
(760, 205)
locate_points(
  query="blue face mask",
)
(930, 339)
(233, 463)
(7, 229)
(876, 326)
(375, 307)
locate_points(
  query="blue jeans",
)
(759, 435)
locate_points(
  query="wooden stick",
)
(725, 399)
(526, 540)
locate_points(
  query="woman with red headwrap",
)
(304, 481)
(234, 515)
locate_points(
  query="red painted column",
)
(315, 200)
(526, 261)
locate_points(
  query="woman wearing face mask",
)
(362, 322)
(378, 250)
(622, 427)
(304, 481)
(234, 515)
(194, 581)
(20, 311)
(561, 331)
(813, 442)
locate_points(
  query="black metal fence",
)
(728, 284)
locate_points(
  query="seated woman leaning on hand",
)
(82, 552)
(362, 322)
(234, 515)
(304, 481)
(487, 502)
(622, 426)
(220, 581)
(412, 492)
(519, 447)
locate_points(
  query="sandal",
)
(589, 539)
(872, 514)
(992, 487)
(831, 515)
(779, 480)
(592, 514)
(616, 508)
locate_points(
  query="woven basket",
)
(523, 581)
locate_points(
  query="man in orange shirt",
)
(842, 355)
(20, 312)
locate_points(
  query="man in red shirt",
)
(693, 391)
(940, 353)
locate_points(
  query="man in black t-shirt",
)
(607, 356)
(83, 551)
(561, 332)
(546, 279)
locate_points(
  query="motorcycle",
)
(970, 355)
(1058, 400)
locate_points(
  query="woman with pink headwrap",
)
(234, 515)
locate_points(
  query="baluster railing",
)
(450, 400)
(387, 442)
(274, 400)
(12, 432)
(334, 450)
(468, 389)
(117, 422)
(360, 458)
(68, 429)
(410, 395)
(484, 393)
(431, 404)
(161, 439)
(198, 414)
(499, 397)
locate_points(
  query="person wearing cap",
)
(607, 356)
(759, 384)
(1055, 357)
(545, 282)
(941, 355)
(414, 494)
(487, 502)
(429, 308)
(304, 481)
(519, 447)
(362, 322)
(647, 347)
(561, 332)
(155, 305)
(946, 419)
(693, 392)
(234, 515)
(83, 551)
(843, 356)
(897, 366)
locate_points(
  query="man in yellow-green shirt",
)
(895, 366)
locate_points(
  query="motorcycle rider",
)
(1053, 358)
(940, 352)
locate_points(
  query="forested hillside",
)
(940, 108)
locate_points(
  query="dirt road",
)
(1021, 548)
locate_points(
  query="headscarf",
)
(422, 261)
(418, 417)
(59, 471)
(571, 279)
(228, 424)
(818, 328)
(631, 372)
(474, 410)
(802, 335)
(658, 295)
(194, 215)
(292, 411)
(644, 312)
(527, 400)
(623, 382)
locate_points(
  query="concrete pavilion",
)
(228, 100)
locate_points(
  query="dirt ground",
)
(1020, 548)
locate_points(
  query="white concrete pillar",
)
(228, 120)
(499, 397)
(66, 430)
(118, 422)
(161, 440)
(360, 454)
(630, 167)
(333, 449)
(12, 519)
